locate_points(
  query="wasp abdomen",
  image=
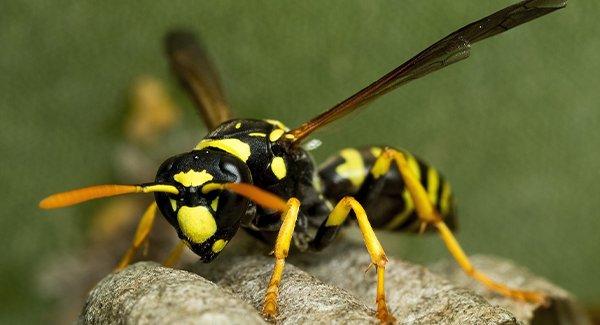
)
(388, 203)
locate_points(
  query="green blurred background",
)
(514, 128)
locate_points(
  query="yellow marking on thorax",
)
(277, 124)
(235, 147)
(257, 134)
(173, 204)
(353, 168)
(278, 167)
(219, 245)
(192, 178)
(196, 223)
(445, 203)
(409, 207)
(238, 125)
(276, 134)
(433, 183)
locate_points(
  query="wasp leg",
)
(429, 216)
(328, 230)
(175, 254)
(282, 247)
(141, 235)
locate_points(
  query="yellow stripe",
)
(235, 147)
(353, 167)
(445, 199)
(277, 124)
(276, 134)
(257, 134)
(409, 207)
(433, 183)
(381, 166)
(376, 151)
(413, 164)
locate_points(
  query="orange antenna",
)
(73, 197)
(256, 194)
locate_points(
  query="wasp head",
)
(205, 217)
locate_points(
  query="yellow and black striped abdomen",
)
(385, 198)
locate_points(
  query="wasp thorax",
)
(205, 216)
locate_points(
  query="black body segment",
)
(276, 166)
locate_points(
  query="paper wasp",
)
(254, 174)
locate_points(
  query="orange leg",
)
(141, 235)
(429, 215)
(175, 254)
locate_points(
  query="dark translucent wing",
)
(195, 71)
(450, 49)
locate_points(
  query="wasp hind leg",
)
(429, 216)
(330, 228)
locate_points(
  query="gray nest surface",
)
(319, 288)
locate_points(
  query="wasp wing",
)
(451, 49)
(191, 65)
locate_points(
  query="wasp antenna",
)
(73, 197)
(254, 193)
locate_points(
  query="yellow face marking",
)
(235, 147)
(409, 207)
(173, 204)
(219, 245)
(276, 134)
(215, 203)
(192, 178)
(257, 134)
(277, 124)
(433, 183)
(196, 223)
(445, 199)
(278, 167)
(376, 151)
(238, 125)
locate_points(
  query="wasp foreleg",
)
(175, 254)
(141, 235)
(282, 247)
